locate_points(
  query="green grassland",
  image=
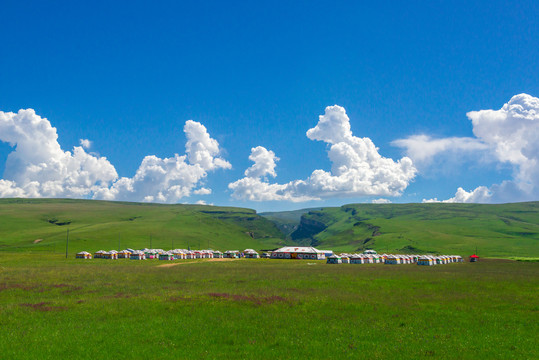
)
(42, 224)
(53, 308)
(500, 231)
(506, 230)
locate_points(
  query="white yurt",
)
(424, 260)
(110, 255)
(83, 255)
(251, 254)
(124, 254)
(166, 256)
(334, 259)
(232, 254)
(137, 255)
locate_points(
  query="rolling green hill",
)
(42, 224)
(505, 230)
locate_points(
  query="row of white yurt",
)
(439, 260)
(152, 254)
(396, 259)
(355, 259)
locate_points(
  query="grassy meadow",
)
(56, 308)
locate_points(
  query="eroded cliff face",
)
(308, 227)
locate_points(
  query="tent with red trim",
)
(473, 258)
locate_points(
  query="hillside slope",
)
(42, 224)
(496, 230)
(287, 221)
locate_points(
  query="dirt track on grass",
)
(193, 262)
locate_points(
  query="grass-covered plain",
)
(55, 308)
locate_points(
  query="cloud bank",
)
(423, 149)
(510, 135)
(357, 168)
(38, 167)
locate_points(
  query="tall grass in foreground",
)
(56, 308)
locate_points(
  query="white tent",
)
(250, 253)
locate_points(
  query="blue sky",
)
(127, 76)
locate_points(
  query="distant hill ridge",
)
(95, 225)
(502, 230)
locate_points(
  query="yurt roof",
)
(298, 249)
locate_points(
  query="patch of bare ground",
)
(118, 295)
(222, 259)
(43, 306)
(193, 262)
(257, 300)
(174, 264)
(68, 288)
(17, 286)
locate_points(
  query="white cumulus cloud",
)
(201, 149)
(85, 143)
(480, 195)
(202, 191)
(264, 163)
(381, 201)
(423, 148)
(38, 167)
(511, 135)
(170, 179)
(357, 168)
